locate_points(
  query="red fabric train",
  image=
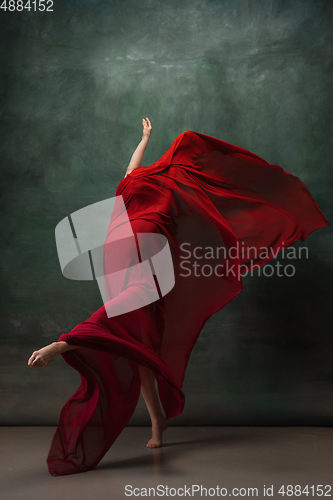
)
(202, 192)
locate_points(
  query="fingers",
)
(33, 360)
(146, 122)
(36, 363)
(32, 357)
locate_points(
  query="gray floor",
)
(211, 457)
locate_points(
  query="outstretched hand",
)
(146, 127)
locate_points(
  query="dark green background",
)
(75, 84)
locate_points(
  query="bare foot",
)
(44, 356)
(157, 430)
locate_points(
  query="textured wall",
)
(75, 84)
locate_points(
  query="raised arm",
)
(138, 153)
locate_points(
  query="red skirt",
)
(217, 211)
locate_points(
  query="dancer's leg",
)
(149, 393)
(44, 356)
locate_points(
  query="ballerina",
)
(204, 192)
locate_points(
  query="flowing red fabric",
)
(202, 194)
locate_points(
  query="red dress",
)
(202, 194)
